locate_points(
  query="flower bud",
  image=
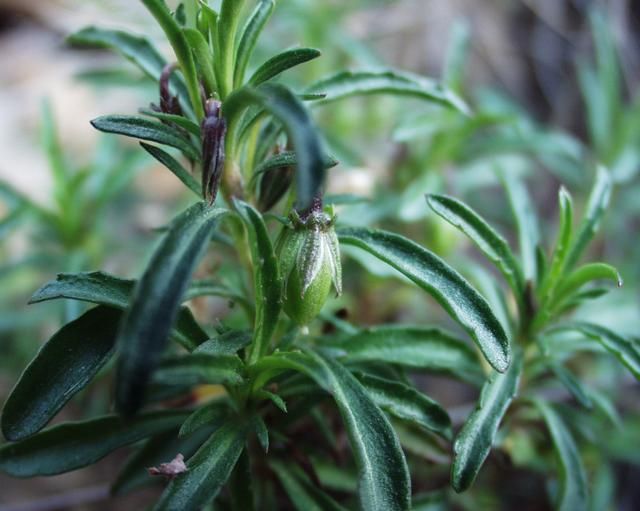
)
(213, 130)
(310, 263)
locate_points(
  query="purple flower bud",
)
(169, 104)
(213, 130)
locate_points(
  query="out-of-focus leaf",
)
(156, 300)
(73, 445)
(572, 384)
(447, 286)
(62, 367)
(355, 83)
(304, 495)
(526, 221)
(228, 343)
(138, 127)
(596, 208)
(573, 493)
(474, 441)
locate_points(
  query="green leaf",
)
(134, 48)
(457, 56)
(414, 347)
(63, 366)
(200, 368)
(208, 470)
(288, 109)
(583, 275)
(228, 343)
(138, 127)
(274, 398)
(474, 441)
(304, 495)
(181, 48)
(384, 483)
(186, 124)
(203, 58)
(572, 384)
(249, 38)
(214, 414)
(261, 431)
(281, 62)
(447, 286)
(56, 160)
(492, 244)
(174, 166)
(526, 220)
(266, 279)
(353, 83)
(573, 493)
(596, 208)
(285, 159)
(565, 232)
(156, 300)
(228, 23)
(74, 445)
(104, 289)
(621, 347)
(159, 449)
(407, 403)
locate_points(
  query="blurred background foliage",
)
(554, 90)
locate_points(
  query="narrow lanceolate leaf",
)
(212, 414)
(208, 470)
(285, 159)
(573, 492)
(621, 347)
(283, 104)
(104, 289)
(492, 244)
(170, 27)
(281, 62)
(266, 279)
(384, 483)
(447, 286)
(355, 83)
(186, 124)
(203, 59)
(62, 367)
(583, 275)
(474, 441)
(414, 347)
(174, 166)
(572, 384)
(228, 343)
(134, 48)
(596, 208)
(303, 494)
(200, 368)
(227, 28)
(156, 301)
(74, 445)
(526, 221)
(249, 38)
(139, 127)
(407, 403)
(565, 232)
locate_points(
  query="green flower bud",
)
(310, 263)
